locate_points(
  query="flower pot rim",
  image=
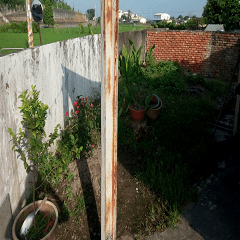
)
(132, 108)
(158, 101)
(28, 206)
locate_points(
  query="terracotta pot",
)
(47, 208)
(153, 113)
(136, 115)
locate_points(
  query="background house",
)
(161, 16)
(142, 20)
(215, 28)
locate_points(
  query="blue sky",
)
(147, 7)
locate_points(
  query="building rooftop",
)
(215, 28)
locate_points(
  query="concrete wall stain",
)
(59, 82)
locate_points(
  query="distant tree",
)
(99, 20)
(91, 13)
(48, 14)
(223, 12)
(12, 4)
(173, 23)
(192, 23)
(202, 21)
(129, 16)
(124, 17)
(64, 5)
(180, 17)
(186, 18)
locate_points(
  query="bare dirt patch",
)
(133, 199)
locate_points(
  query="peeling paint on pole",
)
(29, 24)
(109, 102)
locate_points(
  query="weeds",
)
(70, 176)
(80, 201)
(69, 191)
(172, 153)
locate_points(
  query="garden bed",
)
(158, 166)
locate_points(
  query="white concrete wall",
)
(61, 71)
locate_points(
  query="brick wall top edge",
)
(191, 31)
(173, 30)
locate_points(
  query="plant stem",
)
(45, 179)
(34, 218)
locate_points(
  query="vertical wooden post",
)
(109, 113)
(29, 24)
(235, 125)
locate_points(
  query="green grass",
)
(49, 35)
(173, 155)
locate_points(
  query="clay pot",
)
(136, 115)
(154, 111)
(47, 208)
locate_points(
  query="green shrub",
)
(18, 28)
(80, 132)
(5, 27)
(197, 79)
(81, 28)
(90, 28)
(15, 27)
(56, 28)
(35, 27)
(23, 26)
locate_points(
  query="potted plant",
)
(130, 92)
(155, 105)
(136, 99)
(34, 152)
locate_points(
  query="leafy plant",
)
(130, 62)
(149, 57)
(80, 135)
(18, 28)
(29, 143)
(23, 26)
(90, 28)
(69, 191)
(80, 201)
(69, 176)
(48, 14)
(37, 232)
(5, 27)
(81, 28)
(171, 154)
(15, 27)
(56, 28)
(130, 68)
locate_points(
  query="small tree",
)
(81, 28)
(180, 17)
(129, 16)
(48, 14)
(29, 142)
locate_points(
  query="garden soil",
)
(133, 199)
(214, 216)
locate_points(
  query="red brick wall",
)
(213, 54)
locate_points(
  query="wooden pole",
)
(109, 117)
(29, 24)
